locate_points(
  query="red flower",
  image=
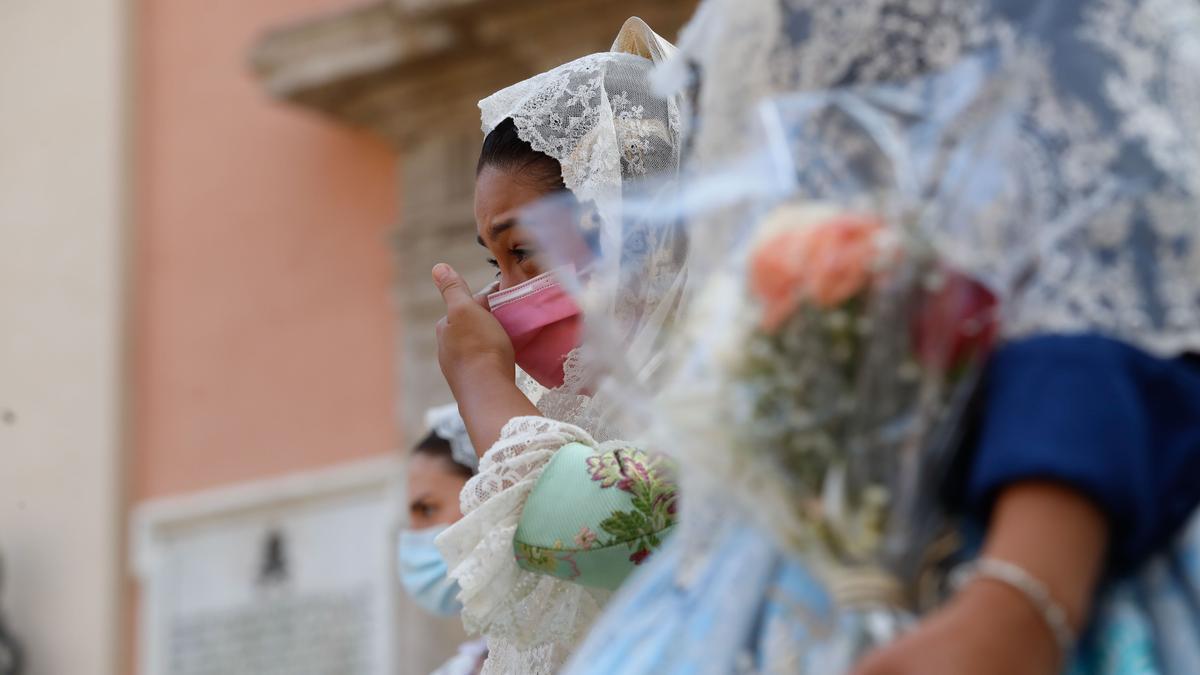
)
(955, 324)
(639, 556)
(632, 471)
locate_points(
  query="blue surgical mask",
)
(423, 572)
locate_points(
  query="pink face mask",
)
(543, 323)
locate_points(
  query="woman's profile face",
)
(512, 249)
(433, 487)
(499, 197)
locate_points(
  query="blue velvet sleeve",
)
(1115, 423)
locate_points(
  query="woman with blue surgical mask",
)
(441, 463)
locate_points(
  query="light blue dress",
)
(725, 602)
(740, 605)
(724, 598)
(1149, 623)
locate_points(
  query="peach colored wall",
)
(263, 330)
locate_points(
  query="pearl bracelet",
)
(1033, 590)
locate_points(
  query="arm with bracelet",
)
(1085, 469)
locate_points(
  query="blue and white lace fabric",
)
(1103, 167)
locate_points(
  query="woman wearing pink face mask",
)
(561, 510)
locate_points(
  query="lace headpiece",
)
(618, 144)
(598, 117)
(447, 424)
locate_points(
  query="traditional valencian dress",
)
(1096, 257)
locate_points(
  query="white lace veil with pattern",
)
(598, 117)
(1103, 163)
(618, 142)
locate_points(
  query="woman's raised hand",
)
(471, 343)
(477, 360)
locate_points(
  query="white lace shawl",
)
(531, 621)
(597, 117)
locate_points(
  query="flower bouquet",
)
(822, 387)
(852, 346)
(832, 333)
(829, 365)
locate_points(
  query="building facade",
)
(217, 222)
(262, 377)
(63, 260)
(411, 72)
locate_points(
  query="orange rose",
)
(825, 262)
(776, 278)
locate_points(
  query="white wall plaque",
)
(293, 576)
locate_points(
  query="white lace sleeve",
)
(531, 620)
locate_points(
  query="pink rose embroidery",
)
(586, 538)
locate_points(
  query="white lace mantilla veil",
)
(617, 141)
(599, 117)
(1108, 165)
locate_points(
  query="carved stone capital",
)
(410, 68)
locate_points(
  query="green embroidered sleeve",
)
(593, 517)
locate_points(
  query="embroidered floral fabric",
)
(595, 515)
